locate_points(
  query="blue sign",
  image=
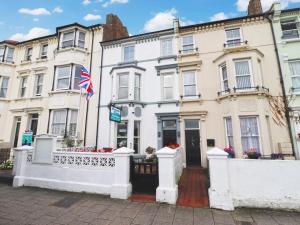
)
(115, 114)
(27, 138)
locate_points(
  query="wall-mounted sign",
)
(27, 138)
(115, 114)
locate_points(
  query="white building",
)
(139, 75)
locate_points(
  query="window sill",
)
(64, 92)
(159, 59)
(128, 63)
(8, 63)
(36, 98)
(188, 99)
(42, 59)
(259, 91)
(291, 40)
(236, 48)
(76, 49)
(25, 62)
(188, 54)
(21, 99)
(4, 99)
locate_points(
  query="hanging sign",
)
(115, 114)
(27, 138)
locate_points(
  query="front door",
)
(34, 124)
(17, 131)
(192, 143)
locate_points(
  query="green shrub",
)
(7, 165)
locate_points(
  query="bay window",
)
(81, 40)
(128, 53)
(4, 86)
(137, 87)
(67, 77)
(224, 77)
(250, 133)
(189, 82)
(295, 74)
(64, 122)
(242, 74)
(166, 47)
(123, 83)
(229, 131)
(233, 37)
(68, 39)
(73, 38)
(168, 83)
(188, 44)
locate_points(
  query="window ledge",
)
(159, 59)
(259, 91)
(286, 41)
(236, 48)
(21, 99)
(36, 98)
(190, 99)
(76, 49)
(4, 99)
(181, 55)
(8, 63)
(42, 59)
(128, 63)
(25, 62)
(64, 92)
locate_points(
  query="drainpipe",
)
(100, 83)
(286, 105)
(88, 102)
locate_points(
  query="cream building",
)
(230, 89)
(39, 82)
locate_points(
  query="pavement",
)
(40, 206)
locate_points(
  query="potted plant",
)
(252, 153)
(173, 145)
(230, 151)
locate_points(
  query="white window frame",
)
(52, 122)
(1, 86)
(118, 85)
(67, 121)
(193, 44)
(65, 77)
(196, 86)
(188, 128)
(222, 78)
(137, 87)
(6, 55)
(294, 75)
(163, 87)
(38, 83)
(28, 57)
(131, 59)
(2, 57)
(258, 128)
(231, 39)
(250, 70)
(226, 131)
(162, 41)
(120, 137)
(290, 21)
(23, 85)
(136, 137)
(79, 40)
(67, 40)
(43, 55)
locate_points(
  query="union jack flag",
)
(86, 83)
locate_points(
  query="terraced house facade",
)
(39, 82)
(286, 26)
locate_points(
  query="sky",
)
(26, 19)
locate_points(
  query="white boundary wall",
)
(100, 173)
(253, 183)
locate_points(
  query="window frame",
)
(117, 133)
(2, 57)
(191, 50)
(293, 75)
(44, 55)
(232, 39)
(226, 131)
(28, 57)
(6, 57)
(260, 150)
(138, 138)
(67, 122)
(137, 87)
(251, 74)
(23, 86)
(119, 87)
(81, 40)
(290, 21)
(195, 84)
(65, 77)
(3, 88)
(222, 78)
(38, 84)
(162, 41)
(164, 87)
(131, 59)
(68, 40)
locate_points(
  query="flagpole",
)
(78, 116)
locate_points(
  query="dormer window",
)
(233, 37)
(28, 55)
(290, 29)
(128, 53)
(44, 51)
(73, 39)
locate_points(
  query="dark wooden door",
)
(192, 143)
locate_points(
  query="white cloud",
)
(164, 20)
(90, 17)
(242, 5)
(36, 19)
(86, 2)
(57, 10)
(219, 16)
(111, 2)
(34, 12)
(33, 33)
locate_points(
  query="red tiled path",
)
(193, 188)
(142, 198)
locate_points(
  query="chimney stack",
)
(254, 7)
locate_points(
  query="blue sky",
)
(26, 19)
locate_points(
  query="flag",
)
(86, 83)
